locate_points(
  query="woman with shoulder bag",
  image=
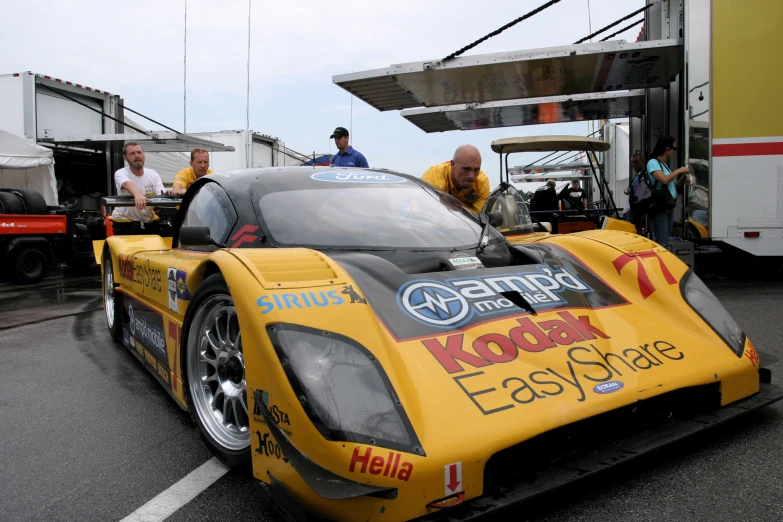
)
(664, 194)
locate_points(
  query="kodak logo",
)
(494, 348)
(379, 464)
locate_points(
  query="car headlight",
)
(343, 388)
(709, 308)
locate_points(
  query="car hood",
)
(468, 362)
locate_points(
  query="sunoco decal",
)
(146, 326)
(334, 176)
(453, 302)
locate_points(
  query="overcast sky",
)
(135, 49)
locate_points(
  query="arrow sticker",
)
(452, 478)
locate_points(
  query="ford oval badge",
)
(609, 387)
(343, 176)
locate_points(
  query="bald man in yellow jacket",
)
(462, 177)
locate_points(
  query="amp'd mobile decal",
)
(453, 302)
(428, 305)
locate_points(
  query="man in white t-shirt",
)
(138, 182)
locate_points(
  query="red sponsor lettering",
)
(508, 350)
(751, 354)
(126, 267)
(448, 355)
(389, 466)
(529, 336)
(645, 285)
(582, 325)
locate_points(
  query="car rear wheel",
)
(215, 368)
(29, 265)
(111, 302)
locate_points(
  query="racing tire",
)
(29, 264)
(214, 371)
(34, 202)
(10, 203)
(112, 304)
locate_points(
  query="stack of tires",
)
(21, 201)
(24, 257)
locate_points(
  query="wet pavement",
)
(88, 434)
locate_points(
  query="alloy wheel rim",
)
(108, 293)
(216, 373)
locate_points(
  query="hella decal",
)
(608, 387)
(453, 302)
(334, 176)
(379, 464)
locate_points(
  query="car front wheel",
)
(215, 370)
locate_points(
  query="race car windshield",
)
(397, 216)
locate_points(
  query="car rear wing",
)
(154, 201)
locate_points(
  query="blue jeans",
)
(662, 223)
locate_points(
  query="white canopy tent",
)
(25, 165)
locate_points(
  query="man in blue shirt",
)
(346, 155)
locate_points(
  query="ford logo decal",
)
(342, 176)
(609, 387)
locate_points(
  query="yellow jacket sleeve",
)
(434, 176)
(184, 177)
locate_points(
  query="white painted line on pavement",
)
(179, 494)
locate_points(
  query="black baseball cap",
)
(339, 132)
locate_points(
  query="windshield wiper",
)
(484, 241)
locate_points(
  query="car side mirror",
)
(197, 235)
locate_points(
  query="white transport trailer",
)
(703, 71)
(86, 129)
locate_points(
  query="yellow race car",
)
(376, 353)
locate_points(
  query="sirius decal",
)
(453, 302)
(310, 299)
(380, 464)
(334, 176)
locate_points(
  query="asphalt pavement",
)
(87, 434)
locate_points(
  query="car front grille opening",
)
(525, 461)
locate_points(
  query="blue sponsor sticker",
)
(608, 387)
(182, 285)
(344, 176)
(125, 336)
(315, 299)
